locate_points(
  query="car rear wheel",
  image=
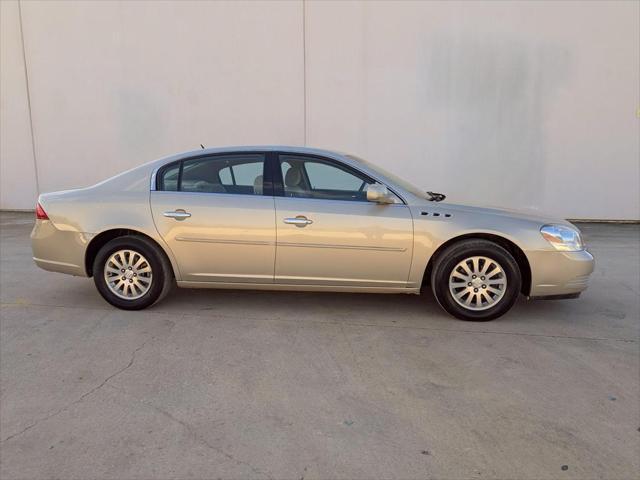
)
(132, 273)
(476, 280)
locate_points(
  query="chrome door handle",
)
(299, 221)
(178, 214)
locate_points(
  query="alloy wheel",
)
(477, 283)
(128, 274)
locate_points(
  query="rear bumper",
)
(58, 250)
(555, 274)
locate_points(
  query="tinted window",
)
(168, 180)
(308, 177)
(225, 176)
(243, 174)
(237, 173)
(323, 176)
(200, 175)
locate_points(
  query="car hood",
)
(530, 215)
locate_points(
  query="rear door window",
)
(241, 174)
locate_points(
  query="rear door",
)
(329, 234)
(216, 213)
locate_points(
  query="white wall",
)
(525, 105)
(17, 169)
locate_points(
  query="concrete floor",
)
(232, 384)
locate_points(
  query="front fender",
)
(431, 232)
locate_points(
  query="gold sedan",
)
(290, 218)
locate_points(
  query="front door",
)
(329, 234)
(217, 218)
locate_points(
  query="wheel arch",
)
(106, 236)
(518, 254)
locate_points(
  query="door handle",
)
(178, 214)
(299, 221)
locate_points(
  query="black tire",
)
(163, 278)
(456, 253)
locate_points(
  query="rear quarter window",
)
(168, 180)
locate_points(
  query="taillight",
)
(40, 213)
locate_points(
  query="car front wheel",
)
(132, 273)
(476, 280)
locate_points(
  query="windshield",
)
(394, 178)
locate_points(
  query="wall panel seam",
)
(304, 68)
(26, 79)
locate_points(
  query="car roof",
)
(264, 148)
(343, 157)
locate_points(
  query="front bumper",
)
(555, 273)
(58, 250)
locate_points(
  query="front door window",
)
(309, 177)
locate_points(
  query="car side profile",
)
(292, 218)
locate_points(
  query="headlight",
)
(563, 238)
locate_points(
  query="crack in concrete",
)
(83, 396)
(364, 324)
(304, 472)
(194, 434)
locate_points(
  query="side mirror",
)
(379, 193)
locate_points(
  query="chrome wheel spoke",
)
(475, 265)
(494, 272)
(459, 275)
(462, 293)
(478, 301)
(465, 267)
(468, 299)
(486, 296)
(485, 267)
